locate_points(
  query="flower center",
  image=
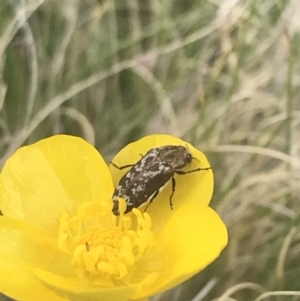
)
(103, 246)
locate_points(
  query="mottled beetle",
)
(150, 174)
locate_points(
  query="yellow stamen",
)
(105, 247)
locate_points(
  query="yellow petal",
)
(42, 181)
(23, 246)
(191, 239)
(196, 187)
(77, 290)
(18, 283)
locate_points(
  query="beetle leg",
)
(122, 167)
(154, 195)
(173, 190)
(115, 209)
(181, 172)
(125, 166)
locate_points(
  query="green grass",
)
(223, 75)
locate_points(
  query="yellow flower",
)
(60, 240)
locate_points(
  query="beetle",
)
(146, 178)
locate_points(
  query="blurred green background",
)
(223, 75)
